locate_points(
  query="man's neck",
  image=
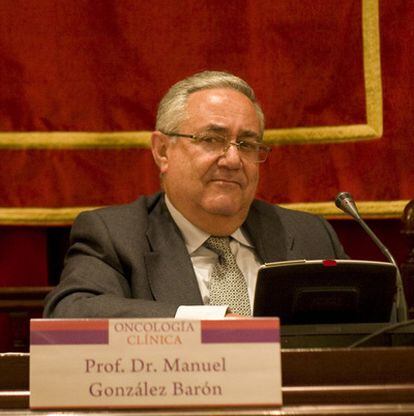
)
(217, 225)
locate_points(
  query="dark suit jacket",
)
(131, 260)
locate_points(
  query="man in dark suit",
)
(151, 258)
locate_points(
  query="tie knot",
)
(220, 245)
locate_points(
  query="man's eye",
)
(211, 139)
(249, 146)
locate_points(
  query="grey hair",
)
(172, 108)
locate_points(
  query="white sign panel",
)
(142, 363)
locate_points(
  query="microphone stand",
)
(346, 203)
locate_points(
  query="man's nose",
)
(231, 155)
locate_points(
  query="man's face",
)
(205, 186)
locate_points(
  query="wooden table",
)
(365, 381)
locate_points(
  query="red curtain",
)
(103, 66)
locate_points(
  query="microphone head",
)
(345, 202)
(342, 198)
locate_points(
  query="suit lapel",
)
(271, 240)
(169, 268)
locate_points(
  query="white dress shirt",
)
(204, 260)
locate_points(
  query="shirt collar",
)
(193, 236)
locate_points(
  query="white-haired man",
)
(197, 245)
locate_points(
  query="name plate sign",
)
(142, 363)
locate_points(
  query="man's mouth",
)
(226, 181)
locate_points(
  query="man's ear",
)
(159, 146)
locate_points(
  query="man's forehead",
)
(222, 129)
(214, 108)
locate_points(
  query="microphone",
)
(345, 202)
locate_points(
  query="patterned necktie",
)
(227, 283)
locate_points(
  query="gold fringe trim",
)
(367, 209)
(311, 135)
(372, 65)
(65, 216)
(324, 134)
(75, 140)
(40, 216)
